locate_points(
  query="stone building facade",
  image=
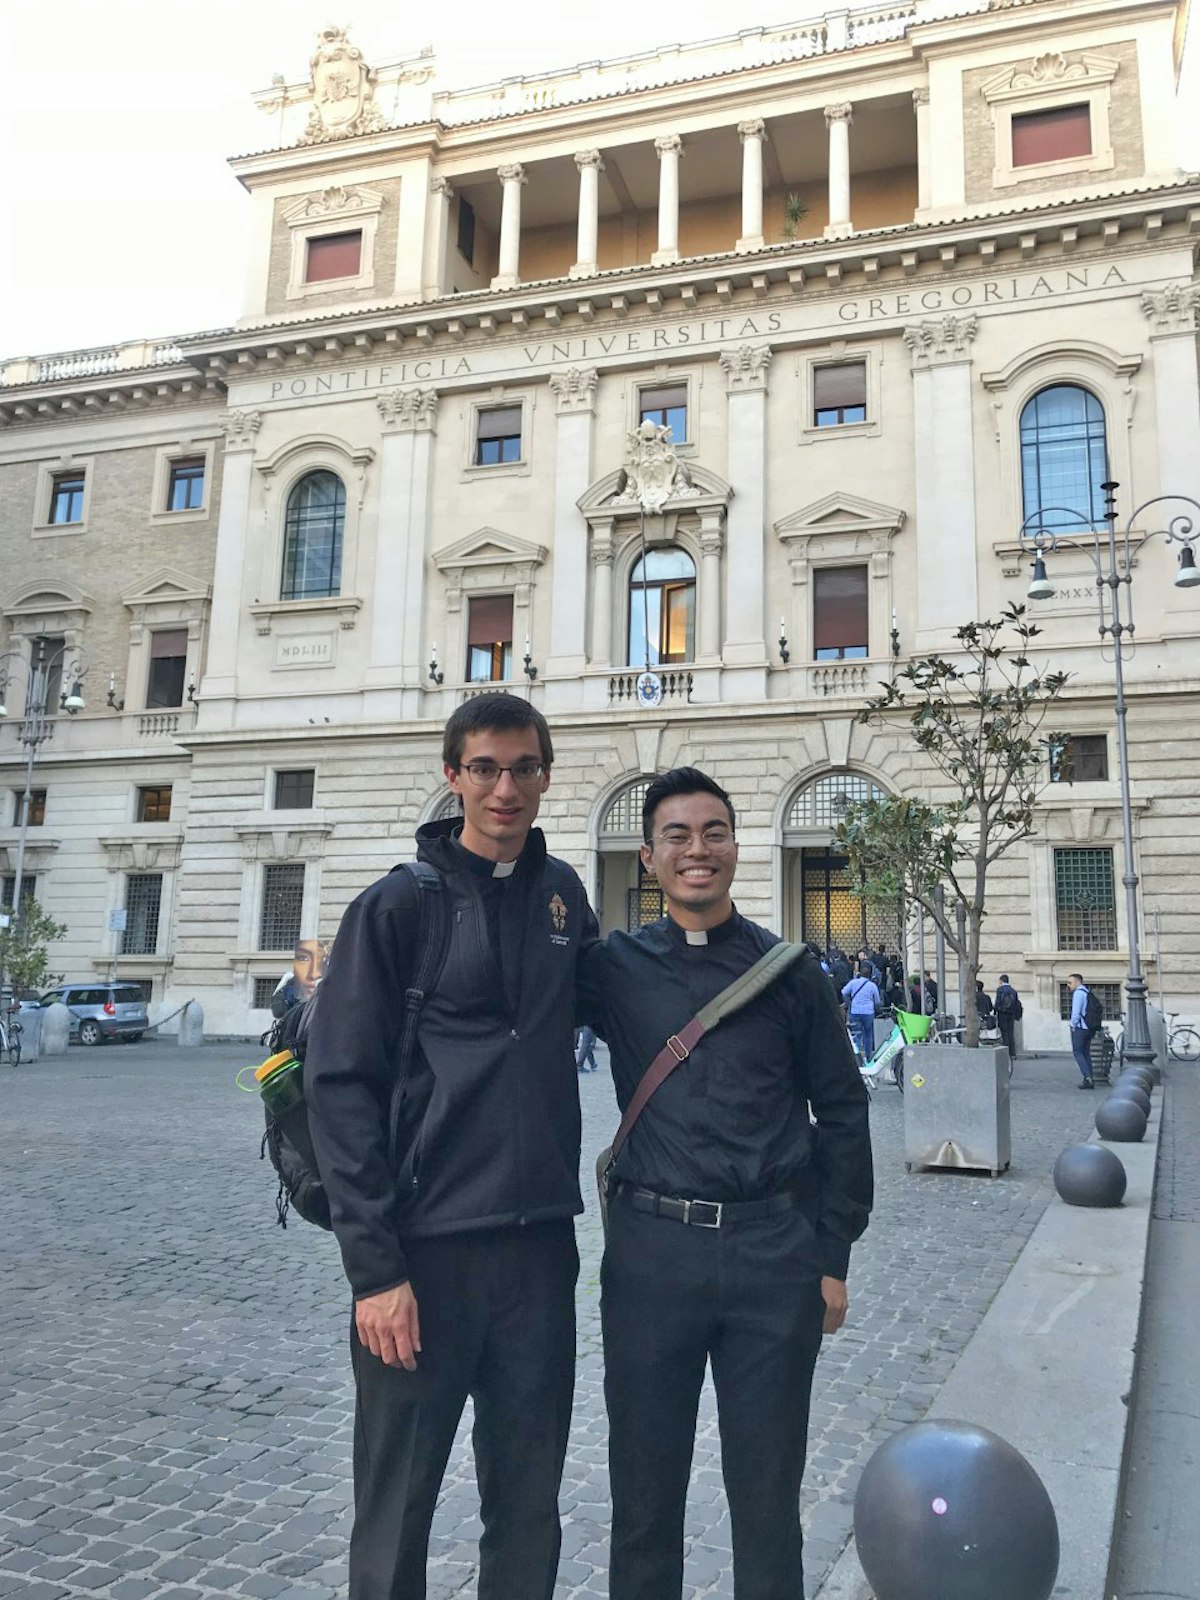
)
(894, 280)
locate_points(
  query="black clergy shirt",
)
(732, 1122)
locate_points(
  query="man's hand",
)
(837, 1303)
(388, 1325)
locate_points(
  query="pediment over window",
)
(1049, 74)
(340, 202)
(843, 517)
(698, 489)
(44, 606)
(167, 586)
(489, 547)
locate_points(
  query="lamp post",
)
(1112, 558)
(36, 727)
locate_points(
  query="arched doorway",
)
(627, 895)
(819, 902)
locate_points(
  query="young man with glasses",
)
(453, 1202)
(731, 1213)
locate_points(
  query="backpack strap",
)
(680, 1045)
(433, 940)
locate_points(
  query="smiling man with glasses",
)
(453, 1195)
(733, 1203)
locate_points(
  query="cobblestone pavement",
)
(175, 1410)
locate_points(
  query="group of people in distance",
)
(732, 1205)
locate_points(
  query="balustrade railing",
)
(623, 686)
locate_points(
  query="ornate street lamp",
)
(37, 724)
(1112, 557)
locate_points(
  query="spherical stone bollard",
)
(937, 1514)
(191, 1024)
(1138, 1075)
(1134, 1092)
(56, 1030)
(1121, 1121)
(1089, 1175)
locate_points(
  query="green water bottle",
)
(281, 1082)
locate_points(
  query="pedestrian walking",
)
(983, 1002)
(585, 1049)
(452, 1195)
(1084, 1026)
(916, 999)
(931, 993)
(840, 968)
(863, 1001)
(728, 1239)
(1009, 1012)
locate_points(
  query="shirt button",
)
(513, 1034)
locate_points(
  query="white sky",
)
(121, 219)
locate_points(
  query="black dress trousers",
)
(746, 1296)
(497, 1315)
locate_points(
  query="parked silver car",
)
(102, 1011)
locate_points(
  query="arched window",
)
(1064, 454)
(825, 802)
(312, 538)
(662, 608)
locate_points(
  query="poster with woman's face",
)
(308, 964)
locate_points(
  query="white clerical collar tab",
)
(694, 936)
(504, 869)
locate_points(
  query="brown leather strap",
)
(676, 1050)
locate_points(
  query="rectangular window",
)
(264, 988)
(1085, 900)
(466, 231)
(1056, 135)
(185, 487)
(154, 805)
(66, 497)
(46, 654)
(1108, 994)
(489, 639)
(168, 662)
(282, 906)
(840, 394)
(294, 789)
(498, 436)
(666, 406)
(37, 807)
(1079, 758)
(839, 613)
(28, 889)
(335, 255)
(143, 898)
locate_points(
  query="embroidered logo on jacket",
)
(558, 919)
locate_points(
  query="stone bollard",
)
(191, 1024)
(31, 1032)
(56, 1029)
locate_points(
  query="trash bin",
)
(1101, 1052)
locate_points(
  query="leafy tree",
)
(23, 948)
(977, 718)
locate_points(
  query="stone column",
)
(396, 675)
(752, 135)
(924, 173)
(602, 593)
(509, 275)
(838, 119)
(948, 592)
(1172, 315)
(590, 167)
(237, 476)
(437, 238)
(670, 151)
(745, 370)
(575, 404)
(708, 622)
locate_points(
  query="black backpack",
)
(287, 1139)
(1093, 1012)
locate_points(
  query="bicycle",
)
(1183, 1039)
(908, 1027)
(10, 1039)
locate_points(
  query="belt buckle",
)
(690, 1205)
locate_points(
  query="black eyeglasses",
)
(486, 774)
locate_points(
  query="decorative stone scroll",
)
(408, 410)
(941, 340)
(574, 389)
(746, 367)
(239, 428)
(1173, 309)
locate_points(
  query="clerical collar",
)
(698, 937)
(482, 866)
(503, 869)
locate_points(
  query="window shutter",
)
(839, 608)
(843, 385)
(671, 398)
(1051, 135)
(168, 642)
(491, 620)
(337, 255)
(503, 422)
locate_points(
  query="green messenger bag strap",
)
(680, 1045)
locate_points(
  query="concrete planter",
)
(956, 1108)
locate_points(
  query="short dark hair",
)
(681, 780)
(1078, 976)
(493, 713)
(1004, 977)
(864, 969)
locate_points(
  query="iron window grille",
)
(143, 900)
(282, 905)
(1085, 899)
(824, 803)
(1108, 994)
(264, 988)
(28, 889)
(624, 815)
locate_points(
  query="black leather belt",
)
(706, 1213)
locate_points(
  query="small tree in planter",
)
(978, 719)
